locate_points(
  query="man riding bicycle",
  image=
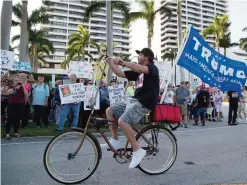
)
(146, 76)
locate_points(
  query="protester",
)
(233, 98)
(182, 97)
(66, 108)
(170, 96)
(40, 94)
(134, 109)
(202, 103)
(27, 108)
(57, 101)
(4, 98)
(218, 99)
(16, 102)
(242, 105)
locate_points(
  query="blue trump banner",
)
(21, 66)
(216, 70)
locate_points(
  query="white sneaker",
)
(245, 120)
(238, 120)
(115, 143)
(137, 158)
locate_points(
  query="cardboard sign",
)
(21, 66)
(81, 69)
(116, 93)
(72, 93)
(7, 61)
(90, 93)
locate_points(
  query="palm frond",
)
(208, 31)
(244, 29)
(122, 6)
(15, 38)
(15, 23)
(143, 4)
(82, 30)
(38, 16)
(17, 10)
(133, 16)
(93, 7)
(164, 10)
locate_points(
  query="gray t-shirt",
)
(181, 94)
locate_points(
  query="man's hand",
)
(119, 61)
(18, 86)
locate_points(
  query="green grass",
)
(32, 130)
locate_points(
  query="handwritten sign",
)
(21, 66)
(81, 69)
(116, 93)
(72, 93)
(90, 93)
(7, 60)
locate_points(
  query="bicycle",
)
(148, 139)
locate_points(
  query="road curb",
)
(33, 138)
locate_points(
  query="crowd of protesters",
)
(206, 104)
(25, 98)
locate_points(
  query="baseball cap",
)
(146, 52)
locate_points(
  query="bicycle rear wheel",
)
(65, 168)
(161, 149)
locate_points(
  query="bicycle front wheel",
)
(161, 147)
(65, 168)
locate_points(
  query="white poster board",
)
(90, 93)
(7, 61)
(81, 69)
(72, 93)
(116, 93)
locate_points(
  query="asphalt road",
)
(213, 154)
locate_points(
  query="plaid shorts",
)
(130, 111)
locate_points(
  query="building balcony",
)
(56, 33)
(168, 41)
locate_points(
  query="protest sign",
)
(21, 66)
(72, 93)
(90, 93)
(81, 69)
(116, 93)
(210, 66)
(7, 60)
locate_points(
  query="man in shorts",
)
(182, 99)
(146, 76)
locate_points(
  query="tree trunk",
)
(180, 36)
(35, 59)
(109, 37)
(225, 52)
(149, 42)
(6, 19)
(24, 34)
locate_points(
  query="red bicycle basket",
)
(167, 113)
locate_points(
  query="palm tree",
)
(26, 22)
(6, 17)
(171, 55)
(39, 45)
(147, 13)
(243, 41)
(217, 28)
(225, 42)
(95, 6)
(77, 46)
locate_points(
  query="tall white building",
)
(67, 15)
(199, 13)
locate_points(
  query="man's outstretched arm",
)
(115, 69)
